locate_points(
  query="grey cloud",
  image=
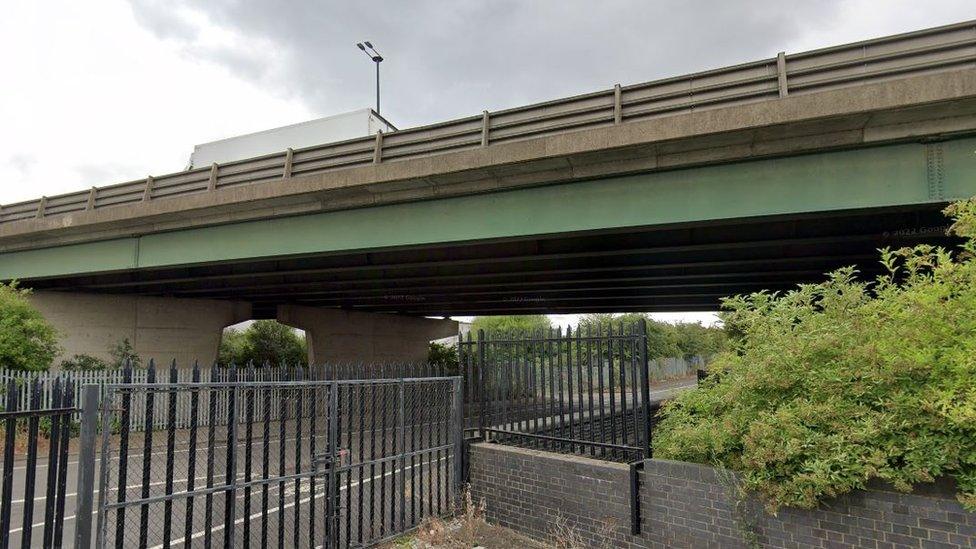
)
(449, 59)
(22, 162)
(105, 172)
(162, 19)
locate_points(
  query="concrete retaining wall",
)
(543, 495)
(188, 330)
(161, 328)
(338, 336)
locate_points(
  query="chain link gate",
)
(281, 464)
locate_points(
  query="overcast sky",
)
(100, 92)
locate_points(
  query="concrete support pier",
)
(158, 328)
(335, 335)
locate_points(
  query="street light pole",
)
(377, 58)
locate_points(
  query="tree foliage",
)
(834, 384)
(122, 354)
(27, 340)
(694, 339)
(664, 339)
(83, 363)
(511, 325)
(443, 356)
(263, 342)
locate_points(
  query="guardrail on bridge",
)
(950, 47)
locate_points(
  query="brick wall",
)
(688, 505)
(528, 490)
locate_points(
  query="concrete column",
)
(157, 327)
(335, 335)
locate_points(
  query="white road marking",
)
(305, 500)
(289, 490)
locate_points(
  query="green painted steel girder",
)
(894, 175)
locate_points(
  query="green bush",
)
(44, 427)
(664, 339)
(693, 339)
(83, 362)
(27, 340)
(444, 356)
(263, 342)
(834, 384)
(123, 353)
(511, 325)
(232, 347)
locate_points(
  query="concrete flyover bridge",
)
(661, 196)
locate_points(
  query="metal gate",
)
(281, 464)
(584, 392)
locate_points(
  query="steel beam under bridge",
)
(661, 241)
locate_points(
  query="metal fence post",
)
(100, 524)
(643, 364)
(333, 490)
(9, 438)
(230, 497)
(483, 401)
(635, 510)
(458, 435)
(402, 459)
(86, 467)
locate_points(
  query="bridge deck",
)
(863, 64)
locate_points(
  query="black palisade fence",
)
(297, 463)
(584, 391)
(185, 372)
(335, 454)
(27, 426)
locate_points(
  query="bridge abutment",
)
(158, 328)
(335, 335)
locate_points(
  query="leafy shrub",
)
(444, 356)
(44, 427)
(231, 349)
(664, 339)
(123, 353)
(834, 384)
(263, 342)
(83, 362)
(511, 325)
(693, 339)
(661, 340)
(27, 340)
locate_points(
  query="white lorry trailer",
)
(350, 125)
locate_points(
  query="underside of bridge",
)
(677, 267)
